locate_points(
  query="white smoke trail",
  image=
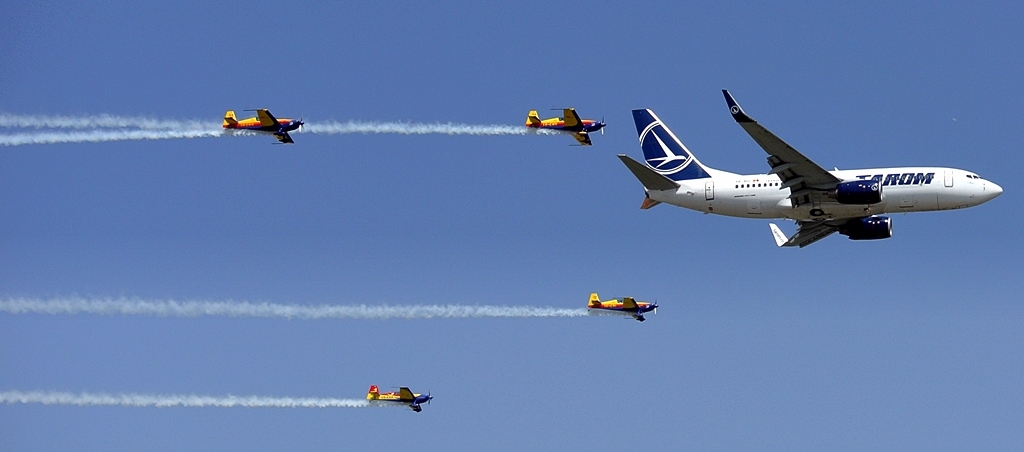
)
(97, 136)
(405, 128)
(171, 400)
(120, 128)
(172, 308)
(98, 122)
(328, 127)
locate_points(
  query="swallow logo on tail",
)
(663, 151)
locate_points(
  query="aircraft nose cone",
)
(993, 190)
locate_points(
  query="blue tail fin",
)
(663, 151)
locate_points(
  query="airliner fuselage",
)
(912, 189)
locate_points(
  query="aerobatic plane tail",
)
(533, 119)
(373, 393)
(229, 118)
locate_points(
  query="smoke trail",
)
(171, 400)
(97, 122)
(120, 128)
(97, 136)
(416, 128)
(172, 308)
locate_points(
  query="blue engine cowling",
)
(858, 192)
(868, 228)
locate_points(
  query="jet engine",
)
(867, 228)
(857, 192)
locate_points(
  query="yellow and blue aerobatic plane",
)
(627, 306)
(569, 123)
(404, 396)
(264, 122)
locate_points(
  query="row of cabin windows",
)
(773, 184)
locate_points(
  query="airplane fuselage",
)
(615, 308)
(910, 189)
(404, 397)
(287, 125)
(587, 125)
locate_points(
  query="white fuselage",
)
(910, 189)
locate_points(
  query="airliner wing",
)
(570, 117)
(807, 233)
(796, 171)
(267, 119)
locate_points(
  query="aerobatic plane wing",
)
(570, 118)
(628, 303)
(267, 119)
(404, 394)
(796, 171)
(583, 138)
(283, 137)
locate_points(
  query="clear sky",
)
(911, 343)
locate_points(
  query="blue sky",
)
(911, 343)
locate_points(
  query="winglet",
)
(650, 178)
(734, 108)
(780, 237)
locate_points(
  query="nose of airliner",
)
(992, 190)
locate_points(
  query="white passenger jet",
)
(821, 202)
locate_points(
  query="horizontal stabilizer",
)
(650, 178)
(648, 203)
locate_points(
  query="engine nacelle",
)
(867, 191)
(868, 228)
